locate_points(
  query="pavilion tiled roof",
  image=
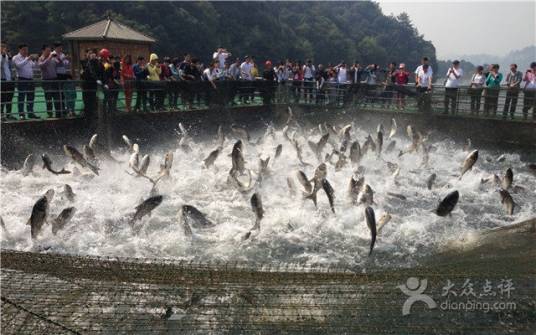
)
(108, 29)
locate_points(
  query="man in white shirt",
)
(454, 74)
(418, 70)
(308, 80)
(24, 64)
(246, 74)
(424, 86)
(342, 77)
(221, 56)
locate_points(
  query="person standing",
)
(174, 83)
(165, 78)
(401, 79)
(424, 87)
(89, 76)
(8, 86)
(221, 56)
(424, 61)
(140, 73)
(388, 83)
(153, 76)
(308, 81)
(127, 80)
(246, 75)
(493, 84)
(297, 80)
(270, 78)
(475, 89)
(320, 81)
(513, 84)
(282, 73)
(454, 73)
(529, 92)
(48, 62)
(24, 64)
(61, 74)
(233, 83)
(69, 89)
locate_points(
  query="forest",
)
(322, 31)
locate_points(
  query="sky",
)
(470, 27)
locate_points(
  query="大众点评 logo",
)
(414, 289)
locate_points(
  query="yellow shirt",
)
(154, 71)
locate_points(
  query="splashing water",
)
(292, 230)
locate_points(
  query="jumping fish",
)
(47, 164)
(330, 193)
(507, 179)
(68, 192)
(146, 207)
(62, 219)
(371, 224)
(194, 217)
(318, 147)
(393, 128)
(507, 201)
(77, 157)
(256, 207)
(430, 181)
(354, 187)
(447, 204)
(390, 147)
(383, 220)
(40, 213)
(278, 151)
(379, 142)
(28, 165)
(241, 133)
(469, 161)
(355, 152)
(211, 158)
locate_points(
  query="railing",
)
(67, 99)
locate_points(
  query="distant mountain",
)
(325, 31)
(521, 57)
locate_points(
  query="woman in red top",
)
(127, 80)
(401, 78)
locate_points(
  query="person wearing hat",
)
(153, 76)
(109, 77)
(401, 78)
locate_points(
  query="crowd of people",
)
(188, 79)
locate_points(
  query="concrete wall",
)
(20, 139)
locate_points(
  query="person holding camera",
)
(493, 84)
(221, 56)
(454, 73)
(424, 87)
(513, 83)
(529, 92)
(8, 86)
(24, 64)
(476, 87)
(48, 63)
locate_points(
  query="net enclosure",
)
(64, 294)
